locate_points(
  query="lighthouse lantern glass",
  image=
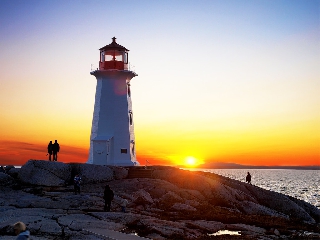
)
(102, 57)
(125, 57)
(118, 56)
(108, 56)
(114, 55)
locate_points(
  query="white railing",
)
(130, 67)
(93, 67)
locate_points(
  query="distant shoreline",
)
(266, 167)
(239, 166)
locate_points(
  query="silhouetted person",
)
(248, 178)
(76, 184)
(108, 197)
(55, 150)
(50, 147)
(20, 230)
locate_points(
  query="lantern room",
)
(113, 56)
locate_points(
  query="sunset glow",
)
(218, 81)
(191, 161)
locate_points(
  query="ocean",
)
(301, 184)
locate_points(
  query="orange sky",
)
(286, 147)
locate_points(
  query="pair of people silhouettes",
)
(53, 149)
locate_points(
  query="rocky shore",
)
(163, 203)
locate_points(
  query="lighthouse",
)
(112, 140)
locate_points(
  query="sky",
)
(231, 81)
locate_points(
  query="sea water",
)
(301, 184)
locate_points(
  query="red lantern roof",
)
(114, 46)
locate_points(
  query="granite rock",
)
(46, 173)
(6, 179)
(173, 204)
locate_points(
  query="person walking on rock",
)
(50, 147)
(55, 150)
(20, 230)
(76, 184)
(108, 197)
(248, 178)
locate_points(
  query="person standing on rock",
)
(108, 197)
(248, 178)
(20, 230)
(50, 147)
(55, 150)
(123, 204)
(76, 184)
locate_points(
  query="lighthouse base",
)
(102, 152)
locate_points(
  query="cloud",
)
(18, 153)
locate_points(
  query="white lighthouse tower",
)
(112, 139)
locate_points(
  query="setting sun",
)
(191, 161)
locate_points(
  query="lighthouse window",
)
(130, 118)
(124, 150)
(133, 149)
(129, 91)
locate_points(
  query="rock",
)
(13, 172)
(184, 179)
(192, 203)
(183, 207)
(49, 173)
(45, 173)
(192, 195)
(166, 228)
(245, 227)
(209, 226)
(170, 198)
(155, 236)
(8, 167)
(118, 217)
(77, 222)
(95, 173)
(223, 193)
(119, 172)
(170, 229)
(166, 208)
(5, 179)
(254, 208)
(313, 211)
(142, 197)
(282, 204)
(276, 232)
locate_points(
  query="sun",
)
(190, 161)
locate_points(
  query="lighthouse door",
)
(108, 157)
(101, 152)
